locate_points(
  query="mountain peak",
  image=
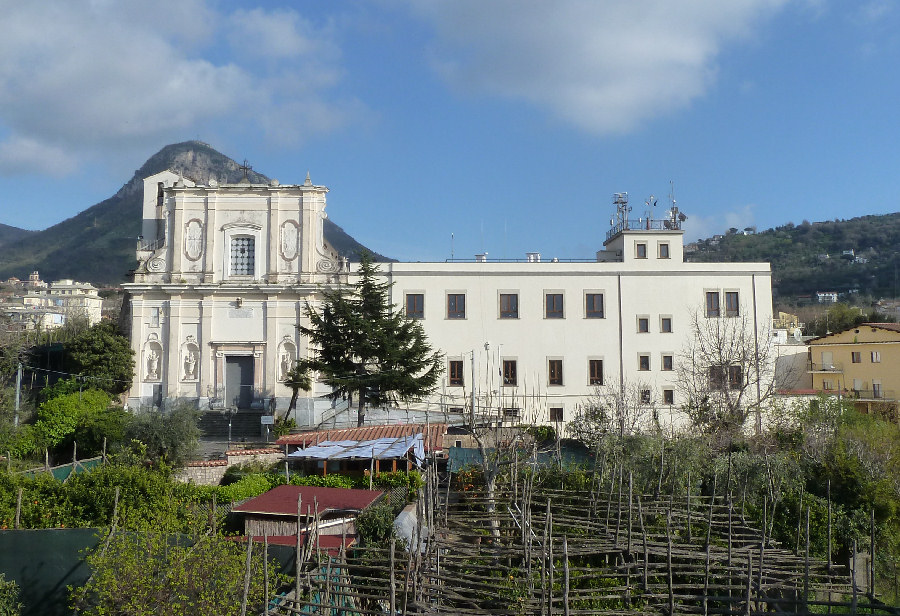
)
(97, 245)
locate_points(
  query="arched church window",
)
(242, 256)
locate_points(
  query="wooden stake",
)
(565, 575)
(299, 555)
(247, 575)
(393, 587)
(266, 570)
(18, 509)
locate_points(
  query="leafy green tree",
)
(367, 348)
(59, 418)
(103, 356)
(151, 574)
(297, 378)
(169, 436)
(9, 598)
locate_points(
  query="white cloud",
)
(603, 66)
(23, 156)
(704, 227)
(94, 76)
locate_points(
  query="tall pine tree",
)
(367, 348)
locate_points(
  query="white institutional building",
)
(225, 272)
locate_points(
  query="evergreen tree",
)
(102, 356)
(365, 347)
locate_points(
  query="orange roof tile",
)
(433, 435)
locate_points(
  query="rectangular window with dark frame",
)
(643, 362)
(712, 304)
(663, 250)
(554, 305)
(645, 396)
(509, 305)
(455, 372)
(593, 305)
(717, 378)
(735, 377)
(510, 412)
(665, 325)
(732, 304)
(855, 357)
(556, 414)
(595, 372)
(456, 305)
(555, 371)
(415, 305)
(668, 396)
(243, 256)
(668, 363)
(641, 251)
(643, 325)
(510, 376)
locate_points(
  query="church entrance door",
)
(239, 381)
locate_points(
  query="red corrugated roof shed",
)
(433, 435)
(282, 500)
(329, 543)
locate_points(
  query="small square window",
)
(643, 362)
(663, 251)
(415, 305)
(456, 305)
(668, 363)
(509, 305)
(457, 443)
(643, 325)
(735, 377)
(593, 305)
(668, 396)
(554, 305)
(665, 325)
(455, 372)
(712, 304)
(556, 414)
(827, 385)
(732, 305)
(855, 357)
(640, 251)
(554, 370)
(511, 412)
(595, 372)
(645, 396)
(510, 378)
(154, 317)
(876, 357)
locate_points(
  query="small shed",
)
(360, 456)
(275, 512)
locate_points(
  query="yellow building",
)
(862, 362)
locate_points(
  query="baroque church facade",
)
(225, 272)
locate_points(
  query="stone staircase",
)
(245, 425)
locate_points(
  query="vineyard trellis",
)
(612, 548)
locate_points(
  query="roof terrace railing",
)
(644, 224)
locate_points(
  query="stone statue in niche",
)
(152, 365)
(190, 364)
(285, 365)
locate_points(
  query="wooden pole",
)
(565, 575)
(544, 558)
(669, 561)
(871, 551)
(298, 556)
(18, 509)
(393, 587)
(247, 575)
(806, 567)
(829, 527)
(266, 570)
(644, 535)
(630, 496)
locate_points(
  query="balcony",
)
(872, 394)
(832, 367)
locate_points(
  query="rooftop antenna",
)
(451, 246)
(675, 217)
(620, 200)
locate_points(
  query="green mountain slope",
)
(9, 234)
(98, 244)
(816, 256)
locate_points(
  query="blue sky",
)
(507, 123)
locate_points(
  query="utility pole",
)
(18, 394)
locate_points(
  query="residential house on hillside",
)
(862, 362)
